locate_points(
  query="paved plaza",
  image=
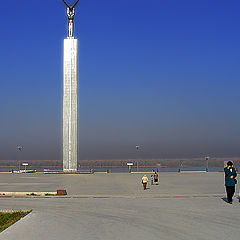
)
(114, 206)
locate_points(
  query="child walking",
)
(151, 179)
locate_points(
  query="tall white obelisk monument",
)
(70, 96)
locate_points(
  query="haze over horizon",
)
(160, 74)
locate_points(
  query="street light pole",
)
(207, 159)
(19, 147)
(180, 165)
(25, 165)
(137, 148)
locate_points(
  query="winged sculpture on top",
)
(71, 7)
(70, 14)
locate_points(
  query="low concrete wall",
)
(25, 194)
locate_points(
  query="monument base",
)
(67, 172)
(70, 171)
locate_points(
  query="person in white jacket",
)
(145, 182)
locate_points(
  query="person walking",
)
(230, 180)
(144, 182)
(151, 178)
(155, 178)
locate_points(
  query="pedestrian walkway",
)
(114, 206)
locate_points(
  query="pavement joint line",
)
(121, 196)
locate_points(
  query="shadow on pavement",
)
(225, 199)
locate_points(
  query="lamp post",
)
(180, 165)
(137, 148)
(129, 167)
(207, 159)
(25, 164)
(20, 148)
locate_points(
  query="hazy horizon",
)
(160, 74)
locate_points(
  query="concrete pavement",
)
(135, 214)
(114, 183)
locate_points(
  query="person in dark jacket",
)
(230, 180)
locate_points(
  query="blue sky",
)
(161, 74)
